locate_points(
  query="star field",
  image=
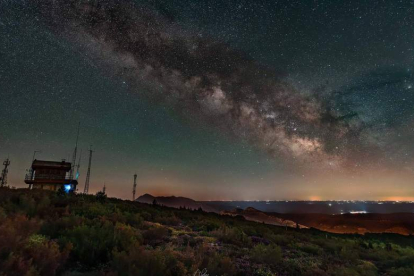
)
(273, 99)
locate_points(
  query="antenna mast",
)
(78, 166)
(74, 155)
(104, 188)
(135, 187)
(3, 178)
(88, 175)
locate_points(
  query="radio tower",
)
(78, 166)
(74, 155)
(3, 178)
(88, 175)
(135, 187)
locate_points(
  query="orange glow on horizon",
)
(398, 198)
(315, 198)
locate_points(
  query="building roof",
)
(63, 165)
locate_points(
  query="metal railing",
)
(33, 176)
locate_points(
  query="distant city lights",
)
(358, 212)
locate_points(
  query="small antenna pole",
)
(74, 155)
(78, 166)
(34, 154)
(88, 175)
(134, 187)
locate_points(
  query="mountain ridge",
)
(176, 202)
(347, 223)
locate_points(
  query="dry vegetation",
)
(44, 233)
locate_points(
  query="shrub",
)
(312, 249)
(348, 253)
(143, 262)
(402, 271)
(345, 271)
(92, 244)
(220, 265)
(24, 253)
(367, 269)
(156, 235)
(27, 204)
(232, 235)
(45, 254)
(263, 272)
(169, 220)
(101, 196)
(126, 236)
(3, 214)
(135, 220)
(267, 254)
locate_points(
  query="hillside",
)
(252, 214)
(176, 202)
(399, 223)
(46, 233)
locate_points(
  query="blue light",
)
(68, 187)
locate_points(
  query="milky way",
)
(205, 78)
(302, 99)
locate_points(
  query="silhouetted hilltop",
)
(255, 215)
(176, 202)
(251, 209)
(146, 198)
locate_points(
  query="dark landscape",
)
(319, 207)
(58, 233)
(346, 217)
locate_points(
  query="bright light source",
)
(68, 187)
(358, 212)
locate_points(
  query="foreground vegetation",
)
(45, 233)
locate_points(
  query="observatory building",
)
(51, 175)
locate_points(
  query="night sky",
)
(215, 100)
